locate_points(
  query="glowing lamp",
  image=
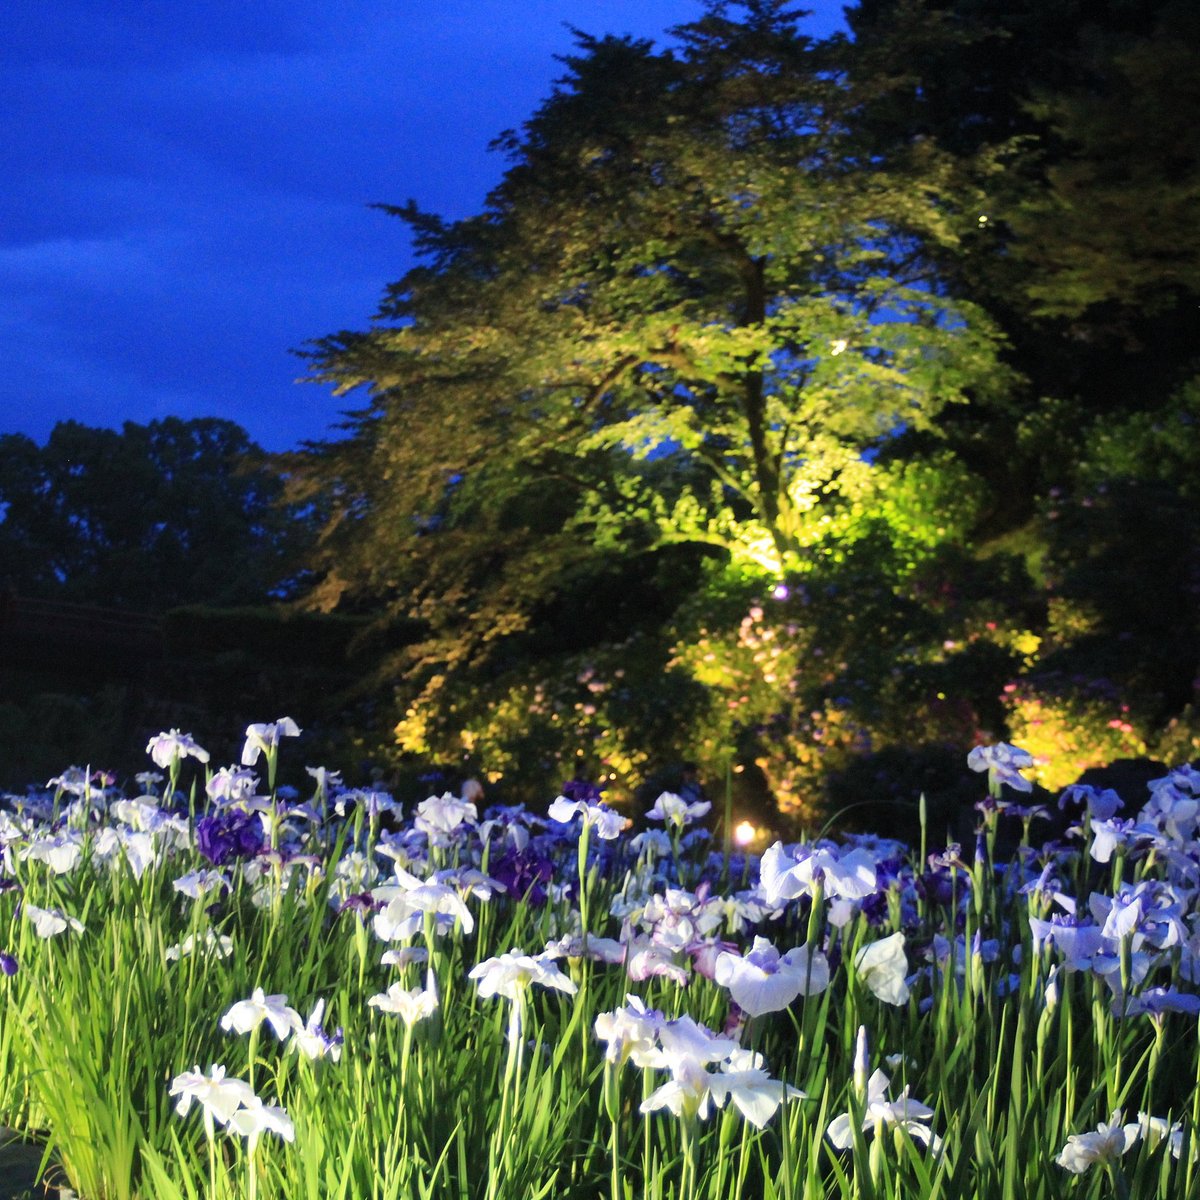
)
(744, 833)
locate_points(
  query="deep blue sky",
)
(184, 184)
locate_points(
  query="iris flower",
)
(607, 823)
(255, 1118)
(1004, 764)
(219, 1097)
(511, 975)
(786, 874)
(1105, 1144)
(647, 959)
(1156, 1002)
(263, 739)
(410, 1006)
(248, 1015)
(631, 1034)
(765, 981)
(882, 966)
(676, 812)
(598, 949)
(313, 1041)
(408, 900)
(404, 956)
(219, 946)
(50, 922)
(168, 748)
(1155, 1130)
(117, 847)
(196, 885)
(231, 785)
(740, 1079)
(439, 816)
(904, 1113)
(678, 918)
(60, 853)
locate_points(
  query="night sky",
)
(186, 185)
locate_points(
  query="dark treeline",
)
(147, 517)
(144, 574)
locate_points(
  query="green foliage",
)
(869, 653)
(676, 291)
(1116, 223)
(692, 313)
(1012, 1053)
(1071, 725)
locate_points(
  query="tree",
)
(690, 310)
(1086, 258)
(152, 516)
(1074, 119)
(754, 311)
(1118, 225)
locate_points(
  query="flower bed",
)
(232, 991)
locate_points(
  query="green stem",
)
(253, 1054)
(251, 1173)
(612, 1100)
(211, 1136)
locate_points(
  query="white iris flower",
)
(410, 1006)
(904, 1113)
(1105, 1144)
(883, 967)
(511, 975)
(676, 812)
(50, 922)
(255, 1118)
(313, 1041)
(764, 981)
(248, 1015)
(607, 823)
(171, 746)
(218, 945)
(1004, 764)
(263, 739)
(219, 1097)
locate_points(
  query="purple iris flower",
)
(1027, 812)
(507, 814)
(361, 903)
(583, 790)
(1157, 1001)
(229, 835)
(1102, 805)
(523, 873)
(875, 908)
(937, 887)
(8, 964)
(951, 858)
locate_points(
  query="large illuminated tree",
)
(686, 264)
(693, 312)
